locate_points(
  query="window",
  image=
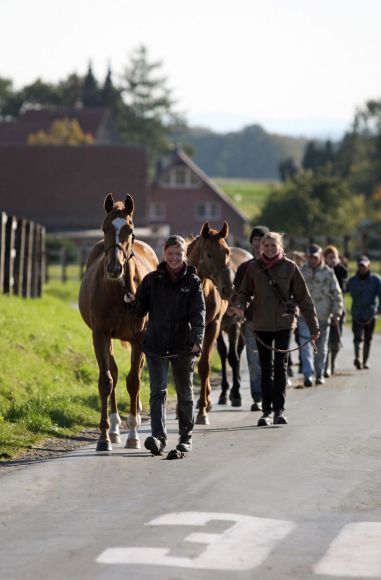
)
(180, 176)
(208, 210)
(156, 210)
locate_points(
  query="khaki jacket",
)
(325, 290)
(269, 312)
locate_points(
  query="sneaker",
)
(357, 364)
(156, 446)
(265, 420)
(256, 406)
(320, 380)
(327, 373)
(279, 418)
(308, 381)
(366, 366)
(184, 444)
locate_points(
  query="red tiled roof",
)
(64, 187)
(16, 132)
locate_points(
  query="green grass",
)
(248, 195)
(48, 383)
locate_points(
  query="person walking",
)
(328, 299)
(332, 259)
(276, 286)
(365, 291)
(251, 346)
(173, 298)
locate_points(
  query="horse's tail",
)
(125, 345)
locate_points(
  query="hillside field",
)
(249, 195)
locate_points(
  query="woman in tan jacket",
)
(276, 286)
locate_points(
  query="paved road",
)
(298, 501)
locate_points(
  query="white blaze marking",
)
(356, 551)
(243, 546)
(118, 223)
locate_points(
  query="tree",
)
(62, 132)
(314, 204)
(149, 116)
(287, 169)
(91, 94)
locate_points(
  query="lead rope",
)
(279, 349)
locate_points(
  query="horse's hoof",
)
(236, 402)
(115, 438)
(104, 445)
(132, 444)
(202, 420)
(222, 400)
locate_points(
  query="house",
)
(184, 197)
(64, 187)
(98, 121)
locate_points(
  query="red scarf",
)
(270, 262)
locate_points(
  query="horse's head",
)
(214, 258)
(118, 230)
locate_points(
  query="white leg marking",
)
(115, 421)
(356, 551)
(243, 546)
(133, 437)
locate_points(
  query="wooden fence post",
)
(42, 276)
(3, 221)
(18, 271)
(63, 262)
(28, 257)
(10, 252)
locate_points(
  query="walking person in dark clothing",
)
(173, 298)
(276, 286)
(365, 290)
(332, 259)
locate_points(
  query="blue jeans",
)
(182, 370)
(253, 364)
(313, 364)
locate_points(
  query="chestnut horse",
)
(210, 254)
(116, 265)
(231, 327)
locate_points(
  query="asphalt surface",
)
(296, 501)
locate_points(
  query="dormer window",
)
(179, 177)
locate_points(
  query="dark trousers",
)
(274, 368)
(182, 370)
(363, 332)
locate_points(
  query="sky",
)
(297, 67)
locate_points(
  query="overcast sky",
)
(293, 66)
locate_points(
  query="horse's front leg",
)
(204, 367)
(222, 351)
(133, 386)
(234, 361)
(115, 420)
(102, 346)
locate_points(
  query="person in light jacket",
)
(276, 286)
(328, 299)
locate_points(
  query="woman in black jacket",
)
(173, 298)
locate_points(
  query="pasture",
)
(248, 195)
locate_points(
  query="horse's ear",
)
(205, 230)
(129, 204)
(224, 231)
(109, 203)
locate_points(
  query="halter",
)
(120, 247)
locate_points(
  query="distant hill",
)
(251, 152)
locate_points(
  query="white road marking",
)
(356, 551)
(243, 546)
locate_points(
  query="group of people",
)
(275, 299)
